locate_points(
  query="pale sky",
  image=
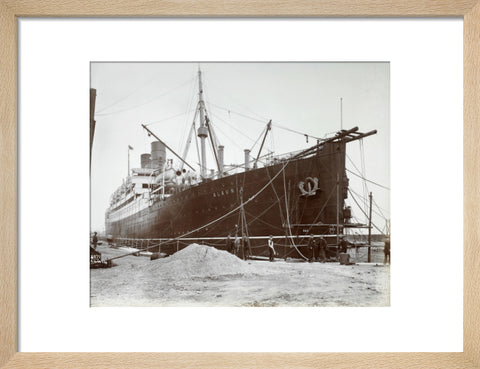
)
(304, 97)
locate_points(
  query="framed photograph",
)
(209, 201)
(231, 192)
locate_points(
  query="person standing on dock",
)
(229, 244)
(271, 250)
(386, 251)
(246, 248)
(343, 245)
(322, 246)
(237, 244)
(311, 248)
(95, 240)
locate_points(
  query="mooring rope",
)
(288, 218)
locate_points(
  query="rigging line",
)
(258, 139)
(351, 161)
(263, 212)
(288, 217)
(188, 107)
(364, 184)
(293, 202)
(238, 222)
(235, 144)
(353, 197)
(262, 221)
(232, 140)
(145, 140)
(150, 80)
(373, 210)
(263, 121)
(282, 218)
(237, 113)
(363, 198)
(272, 140)
(365, 179)
(294, 131)
(231, 126)
(207, 114)
(146, 102)
(170, 117)
(229, 138)
(225, 93)
(214, 150)
(286, 202)
(379, 208)
(186, 146)
(196, 145)
(233, 167)
(212, 128)
(214, 134)
(323, 207)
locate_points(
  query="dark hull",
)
(265, 215)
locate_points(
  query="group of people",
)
(317, 247)
(240, 246)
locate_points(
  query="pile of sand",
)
(199, 261)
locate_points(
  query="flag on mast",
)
(129, 148)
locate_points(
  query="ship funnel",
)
(159, 155)
(220, 159)
(145, 160)
(247, 159)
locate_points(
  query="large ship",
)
(165, 205)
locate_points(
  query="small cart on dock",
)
(96, 261)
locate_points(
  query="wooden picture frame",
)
(10, 10)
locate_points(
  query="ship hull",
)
(288, 200)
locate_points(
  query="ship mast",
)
(202, 130)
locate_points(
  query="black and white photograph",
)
(243, 184)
